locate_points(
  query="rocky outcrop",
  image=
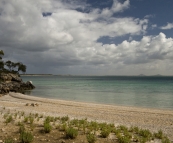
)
(13, 82)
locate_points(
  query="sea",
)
(137, 91)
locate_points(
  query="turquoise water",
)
(152, 92)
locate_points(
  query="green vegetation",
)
(26, 137)
(47, 127)
(89, 130)
(91, 138)
(71, 133)
(159, 134)
(9, 140)
(123, 139)
(9, 119)
(105, 132)
(10, 66)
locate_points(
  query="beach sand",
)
(153, 119)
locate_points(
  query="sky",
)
(88, 37)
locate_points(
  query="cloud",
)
(168, 26)
(154, 26)
(66, 40)
(116, 8)
(119, 7)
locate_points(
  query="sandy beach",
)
(153, 119)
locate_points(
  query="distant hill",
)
(36, 74)
(141, 75)
(157, 75)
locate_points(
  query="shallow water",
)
(152, 92)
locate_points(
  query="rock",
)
(27, 104)
(3, 130)
(13, 83)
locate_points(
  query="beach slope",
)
(153, 119)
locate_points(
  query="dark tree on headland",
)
(10, 66)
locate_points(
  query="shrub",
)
(145, 133)
(123, 139)
(71, 133)
(165, 140)
(22, 113)
(63, 127)
(47, 127)
(64, 119)
(25, 119)
(26, 137)
(117, 131)
(128, 135)
(94, 125)
(15, 115)
(143, 140)
(123, 128)
(22, 128)
(8, 140)
(9, 119)
(105, 133)
(91, 138)
(31, 120)
(134, 129)
(49, 119)
(5, 116)
(159, 134)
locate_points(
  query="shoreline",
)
(64, 102)
(153, 119)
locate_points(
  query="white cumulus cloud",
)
(168, 26)
(66, 41)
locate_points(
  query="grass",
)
(47, 127)
(87, 129)
(9, 119)
(91, 138)
(159, 134)
(105, 132)
(9, 140)
(71, 133)
(26, 137)
(123, 139)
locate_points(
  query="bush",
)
(25, 119)
(91, 138)
(9, 119)
(159, 134)
(22, 128)
(26, 137)
(105, 133)
(47, 120)
(123, 139)
(64, 119)
(31, 120)
(165, 140)
(123, 128)
(71, 133)
(145, 133)
(8, 140)
(63, 127)
(47, 127)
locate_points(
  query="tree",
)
(1, 54)
(1, 62)
(12, 67)
(21, 67)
